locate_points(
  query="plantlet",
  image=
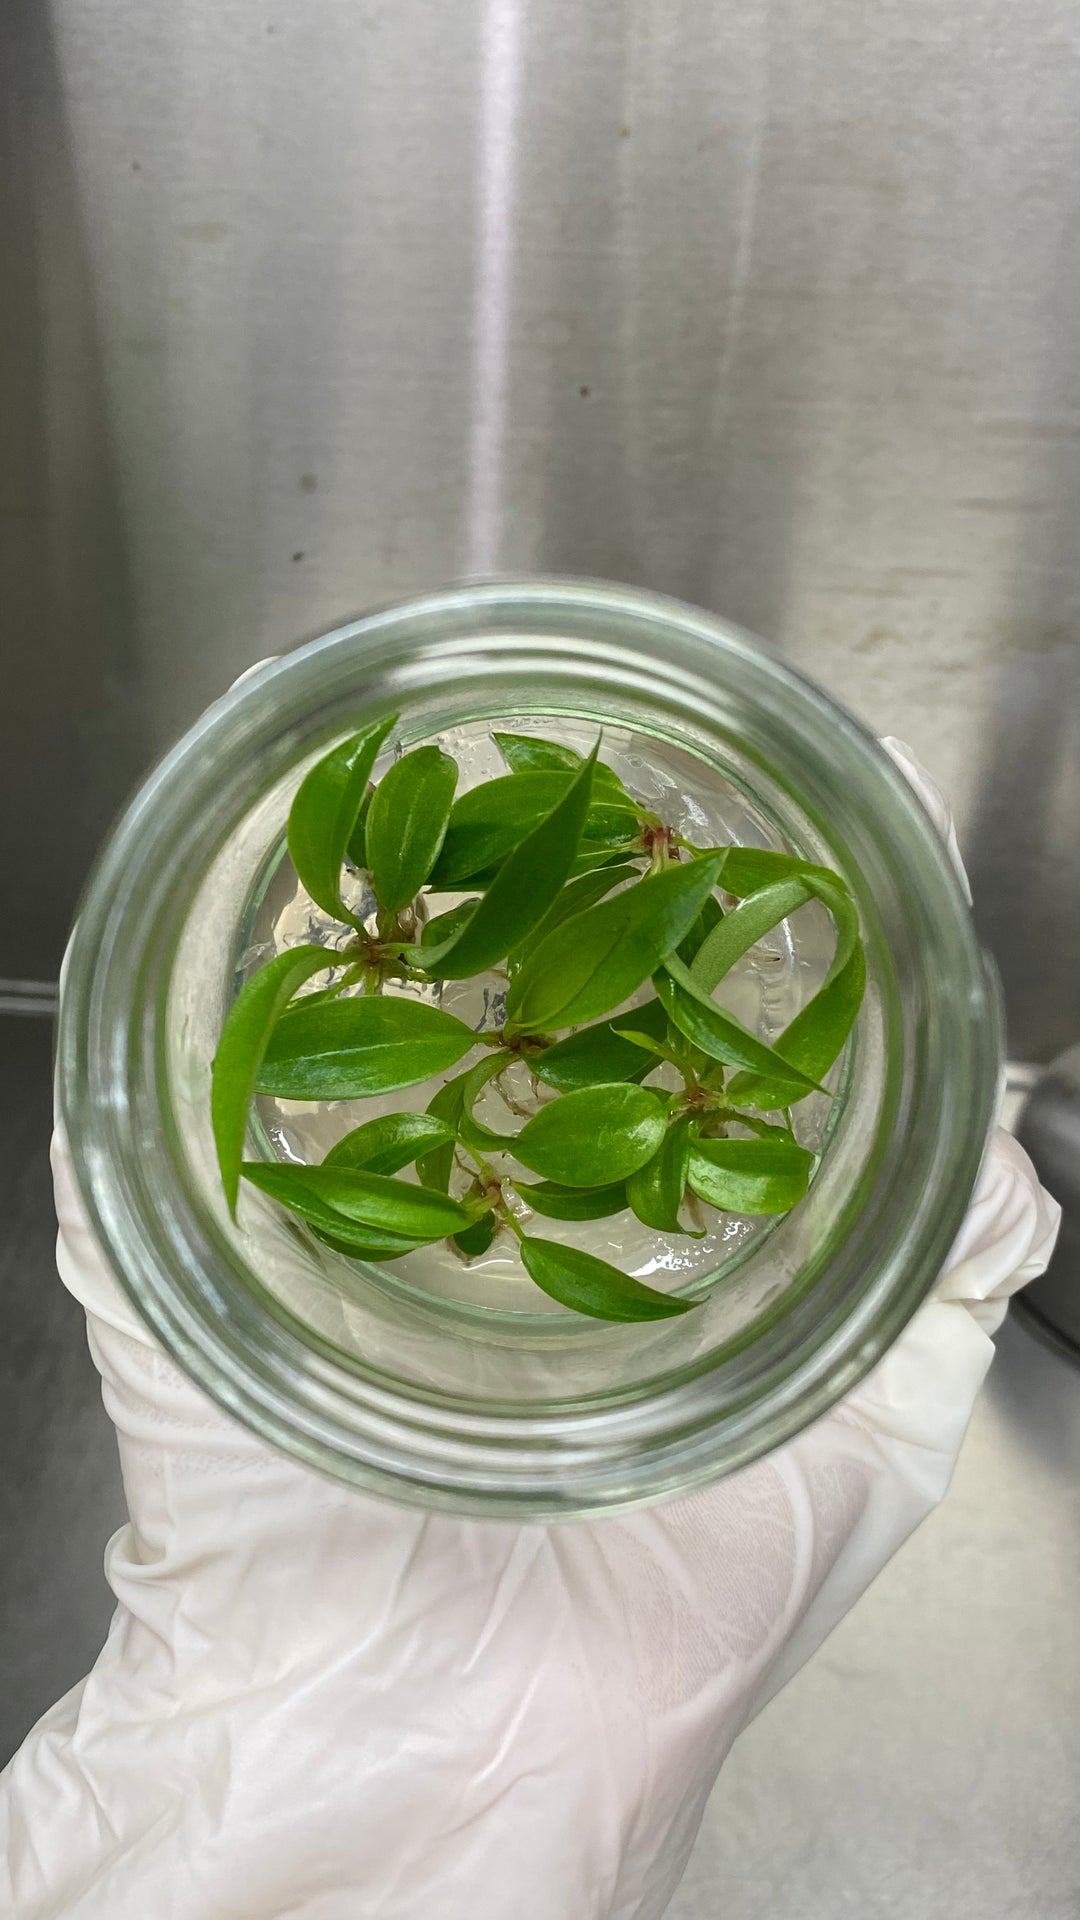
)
(610, 935)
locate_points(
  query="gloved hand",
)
(316, 1706)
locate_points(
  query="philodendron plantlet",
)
(610, 934)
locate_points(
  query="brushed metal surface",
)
(771, 306)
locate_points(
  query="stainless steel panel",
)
(71, 735)
(771, 306)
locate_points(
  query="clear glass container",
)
(458, 1385)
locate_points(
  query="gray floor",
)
(60, 1494)
(927, 1763)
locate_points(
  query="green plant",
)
(582, 899)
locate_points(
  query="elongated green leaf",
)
(406, 824)
(816, 1036)
(367, 1243)
(476, 882)
(594, 962)
(489, 821)
(744, 927)
(598, 1054)
(530, 880)
(588, 1285)
(338, 1198)
(749, 1176)
(746, 870)
(344, 1049)
(525, 753)
(581, 893)
(244, 1039)
(324, 813)
(725, 1116)
(446, 926)
(656, 1190)
(471, 1131)
(636, 1038)
(599, 856)
(572, 1203)
(594, 1137)
(710, 916)
(610, 851)
(436, 1167)
(475, 1240)
(389, 1142)
(717, 1033)
(357, 847)
(608, 824)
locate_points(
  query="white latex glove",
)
(315, 1706)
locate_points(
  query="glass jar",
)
(468, 1400)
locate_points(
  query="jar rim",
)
(245, 1349)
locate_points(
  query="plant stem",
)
(487, 1172)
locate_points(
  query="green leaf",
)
(717, 1033)
(572, 1203)
(710, 916)
(677, 1055)
(369, 1243)
(816, 1036)
(436, 1167)
(471, 1131)
(581, 893)
(597, 855)
(525, 753)
(406, 824)
(530, 880)
(594, 1137)
(600, 855)
(357, 848)
(724, 1116)
(598, 1054)
(489, 821)
(324, 813)
(476, 1239)
(345, 1049)
(609, 824)
(595, 961)
(656, 1190)
(390, 1142)
(591, 1286)
(446, 926)
(744, 927)
(746, 870)
(338, 1199)
(749, 1176)
(244, 1039)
